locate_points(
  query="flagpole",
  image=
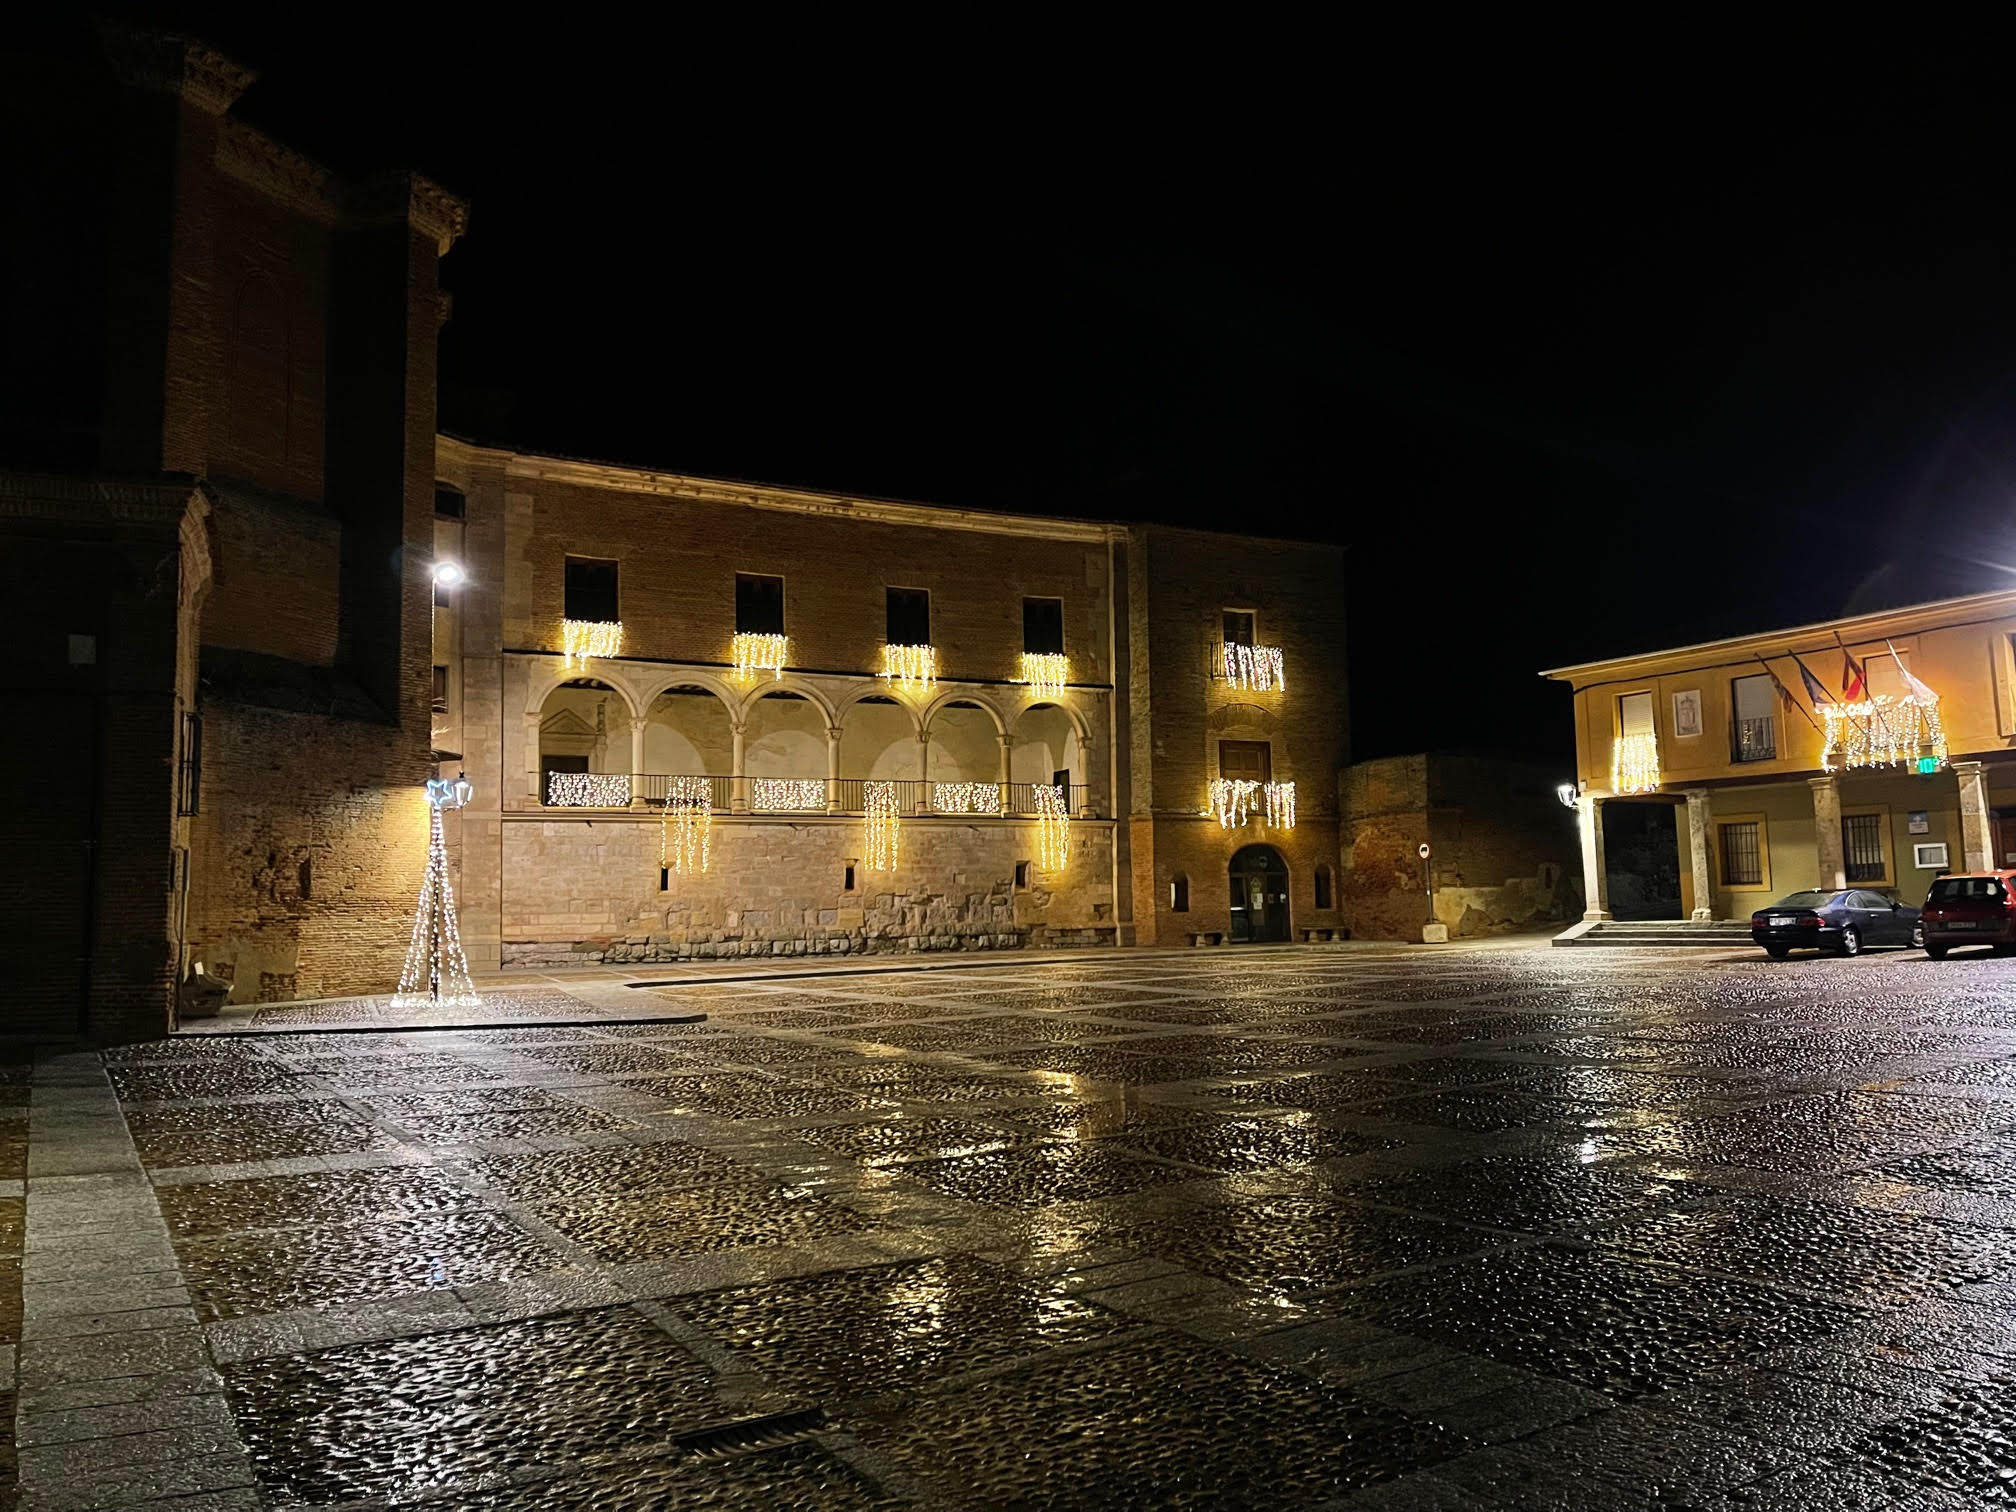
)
(1786, 694)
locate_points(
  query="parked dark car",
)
(1844, 922)
(1971, 908)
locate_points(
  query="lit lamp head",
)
(450, 792)
(449, 575)
(1567, 794)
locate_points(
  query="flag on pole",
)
(1923, 694)
(1815, 690)
(1853, 683)
(1785, 694)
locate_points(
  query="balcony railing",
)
(841, 795)
(1756, 740)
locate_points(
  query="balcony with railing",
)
(786, 797)
(1756, 740)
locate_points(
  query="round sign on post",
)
(1422, 850)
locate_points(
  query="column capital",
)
(1966, 768)
(1820, 784)
(833, 733)
(640, 721)
(1697, 794)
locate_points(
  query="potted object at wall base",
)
(200, 995)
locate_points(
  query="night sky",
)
(1581, 344)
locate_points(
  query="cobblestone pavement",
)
(1523, 1228)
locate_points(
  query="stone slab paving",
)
(1366, 1228)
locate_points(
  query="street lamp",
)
(1569, 796)
(449, 575)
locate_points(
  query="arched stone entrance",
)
(1259, 895)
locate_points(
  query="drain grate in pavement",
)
(771, 1431)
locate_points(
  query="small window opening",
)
(1021, 873)
(907, 619)
(1179, 894)
(440, 690)
(1043, 626)
(759, 604)
(591, 590)
(448, 502)
(307, 877)
(850, 879)
(1323, 887)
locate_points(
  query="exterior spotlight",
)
(1567, 794)
(449, 574)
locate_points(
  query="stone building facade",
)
(224, 501)
(217, 435)
(553, 875)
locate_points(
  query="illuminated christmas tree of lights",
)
(436, 974)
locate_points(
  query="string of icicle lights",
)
(436, 973)
(583, 639)
(778, 795)
(686, 825)
(1882, 731)
(910, 666)
(760, 653)
(1257, 667)
(1235, 801)
(588, 790)
(1634, 764)
(1046, 672)
(1053, 829)
(881, 826)
(966, 797)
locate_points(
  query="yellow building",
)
(1766, 796)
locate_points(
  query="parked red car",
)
(1971, 908)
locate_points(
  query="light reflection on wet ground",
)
(1519, 1228)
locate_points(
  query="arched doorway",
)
(1259, 895)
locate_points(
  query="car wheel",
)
(1937, 952)
(1851, 942)
(1917, 936)
(1777, 952)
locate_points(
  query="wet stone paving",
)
(1338, 1227)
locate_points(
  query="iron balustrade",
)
(848, 795)
(1756, 739)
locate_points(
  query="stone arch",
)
(784, 735)
(878, 738)
(953, 697)
(876, 696)
(553, 674)
(651, 689)
(965, 741)
(785, 684)
(689, 731)
(1049, 738)
(579, 731)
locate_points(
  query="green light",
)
(1928, 764)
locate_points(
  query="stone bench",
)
(1311, 936)
(1207, 937)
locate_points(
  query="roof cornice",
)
(176, 65)
(684, 486)
(1907, 620)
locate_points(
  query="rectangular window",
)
(1021, 873)
(448, 502)
(1634, 714)
(1742, 855)
(1754, 703)
(1238, 627)
(1932, 857)
(1862, 847)
(907, 620)
(1252, 760)
(591, 590)
(440, 690)
(1179, 894)
(189, 766)
(1043, 626)
(759, 604)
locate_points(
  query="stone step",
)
(1665, 933)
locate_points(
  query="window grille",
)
(1862, 846)
(1742, 855)
(189, 766)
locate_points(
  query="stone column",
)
(1977, 828)
(1007, 754)
(1827, 832)
(833, 769)
(639, 723)
(1700, 834)
(532, 792)
(1086, 810)
(924, 804)
(1595, 880)
(738, 803)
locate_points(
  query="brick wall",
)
(578, 890)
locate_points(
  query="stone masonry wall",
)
(579, 890)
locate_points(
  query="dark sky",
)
(1583, 344)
